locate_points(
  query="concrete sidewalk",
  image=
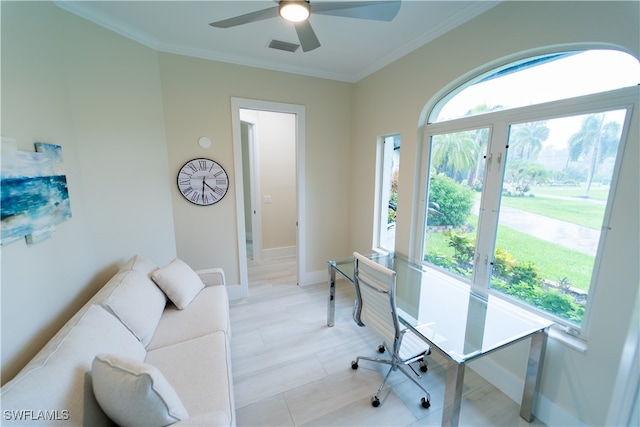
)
(563, 233)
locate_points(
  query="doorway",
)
(269, 172)
(269, 176)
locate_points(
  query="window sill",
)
(382, 251)
(558, 333)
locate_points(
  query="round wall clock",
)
(203, 182)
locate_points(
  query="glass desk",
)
(459, 324)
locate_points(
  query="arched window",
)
(539, 79)
(519, 173)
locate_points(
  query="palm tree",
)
(528, 138)
(594, 141)
(454, 153)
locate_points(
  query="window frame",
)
(381, 193)
(498, 123)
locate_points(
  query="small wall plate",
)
(204, 142)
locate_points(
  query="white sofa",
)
(135, 320)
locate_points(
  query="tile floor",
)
(290, 369)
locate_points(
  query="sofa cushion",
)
(58, 378)
(137, 302)
(132, 393)
(179, 281)
(200, 372)
(140, 264)
(207, 313)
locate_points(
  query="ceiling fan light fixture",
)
(294, 11)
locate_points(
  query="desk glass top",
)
(460, 323)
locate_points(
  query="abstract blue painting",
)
(34, 193)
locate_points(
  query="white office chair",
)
(376, 308)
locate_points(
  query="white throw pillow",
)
(141, 264)
(133, 393)
(179, 282)
(137, 302)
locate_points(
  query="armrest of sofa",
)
(212, 276)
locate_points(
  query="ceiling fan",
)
(298, 13)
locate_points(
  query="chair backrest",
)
(375, 299)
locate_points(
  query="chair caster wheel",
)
(425, 403)
(380, 349)
(375, 402)
(423, 366)
(354, 365)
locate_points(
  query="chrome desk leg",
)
(538, 344)
(453, 393)
(331, 304)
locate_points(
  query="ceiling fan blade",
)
(372, 10)
(247, 18)
(307, 36)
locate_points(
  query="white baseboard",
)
(314, 277)
(274, 253)
(553, 415)
(544, 409)
(504, 380)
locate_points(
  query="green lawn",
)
(578, 212)
(597, 191)
(553, 262)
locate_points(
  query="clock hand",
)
(210, 186)
(203, 183)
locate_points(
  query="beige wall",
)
(197, 101)
(277, 145)
(128, 118)
(67, 82)
(393, 99)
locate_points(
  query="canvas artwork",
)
(34, 192)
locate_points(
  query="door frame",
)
(254, 183)
(299, 110)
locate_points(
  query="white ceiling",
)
(351, 48)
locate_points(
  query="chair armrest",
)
(212, 276)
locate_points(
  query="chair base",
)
(396, 364)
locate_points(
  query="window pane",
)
(389, 192)
(556, 186)
(542, 79)
(455, 183)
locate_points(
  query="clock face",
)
(203, 182)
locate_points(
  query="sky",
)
(584, 73)
(576, 75)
